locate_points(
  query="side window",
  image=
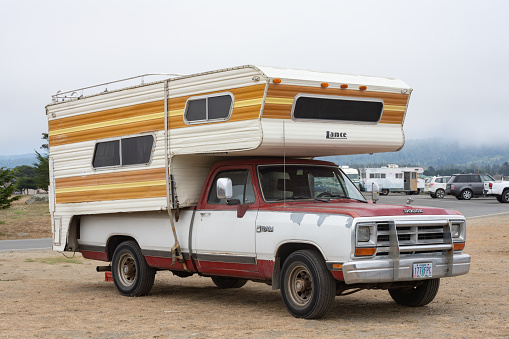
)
(123, 152)
(486, 178)
(337, 108)
(414, 175)
(475, 178)
(214, 107)
(462, 178)
(242, 187)
(383, 175)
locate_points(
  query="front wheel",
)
(440, 193)
(308, 288)
(419, 295)
(227, 282)
(131, 274)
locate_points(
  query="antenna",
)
(284, 166)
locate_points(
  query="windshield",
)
(295, 182)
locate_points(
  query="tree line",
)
(23, 178)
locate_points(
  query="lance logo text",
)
(335, 135)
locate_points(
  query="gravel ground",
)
(44, 294)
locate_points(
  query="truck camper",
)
(212, 174)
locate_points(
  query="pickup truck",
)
(300, 226)
(499, 189)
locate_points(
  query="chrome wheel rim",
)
(300, 285)
(126, 269)
(440, 194)
(467, 195)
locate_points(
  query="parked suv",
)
(436, 186)
(466, 186)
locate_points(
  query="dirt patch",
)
(43, 294)
(23, 221)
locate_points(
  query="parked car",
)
(436, 186)
(466, 186)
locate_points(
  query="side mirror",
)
(224, 188)
(375, 192)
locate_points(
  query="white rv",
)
(352, 173)
(210, 174)
(392, 178)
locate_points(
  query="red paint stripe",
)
(102, 256)
(165, 263)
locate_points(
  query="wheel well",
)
(113, 243)
(282, 254)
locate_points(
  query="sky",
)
(454, 54)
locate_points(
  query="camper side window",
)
(215, 107)
(336, 108)
(123, 152)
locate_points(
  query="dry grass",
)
(23, 221)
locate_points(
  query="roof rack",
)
(80, 93)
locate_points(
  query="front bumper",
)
(389, 270)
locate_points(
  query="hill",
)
(438, 153)
(11, 161)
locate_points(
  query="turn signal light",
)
(337, 266)
(324, 85)
(363, 88)
(344, 86)
(276, 81)
(459, 246)
(365, 251)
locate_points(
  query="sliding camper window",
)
(214, 107)
(123, 152)
(336, 108)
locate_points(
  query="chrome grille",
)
(411, 234)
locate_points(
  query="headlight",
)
(363, 233)
(455, 231)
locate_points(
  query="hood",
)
(358, 209)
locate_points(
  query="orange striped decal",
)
(146, 183)
(146, 117)
(280, 99)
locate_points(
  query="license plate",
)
(424, 270)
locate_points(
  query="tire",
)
(433, 195)
(131, 274)
(466, 194)
(385, 192)
(504, 198)
(439, 193)
(459, 197)
(308, 288)
(227, 282)
(417, 296)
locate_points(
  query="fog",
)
(453, 54)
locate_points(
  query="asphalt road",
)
(476, 207)
(25, 244)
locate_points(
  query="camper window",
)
(213, 107)
(336, 108)
(123, 152)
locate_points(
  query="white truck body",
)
(210, 174)
(499, 189)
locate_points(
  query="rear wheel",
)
(466, 194)
(419, 295)
(227, 282)
(385, 192)
(434, 196)
(440, 193)
(308, 288)
(131, 274)
(504, 197)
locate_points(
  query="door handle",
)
(204, 214)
